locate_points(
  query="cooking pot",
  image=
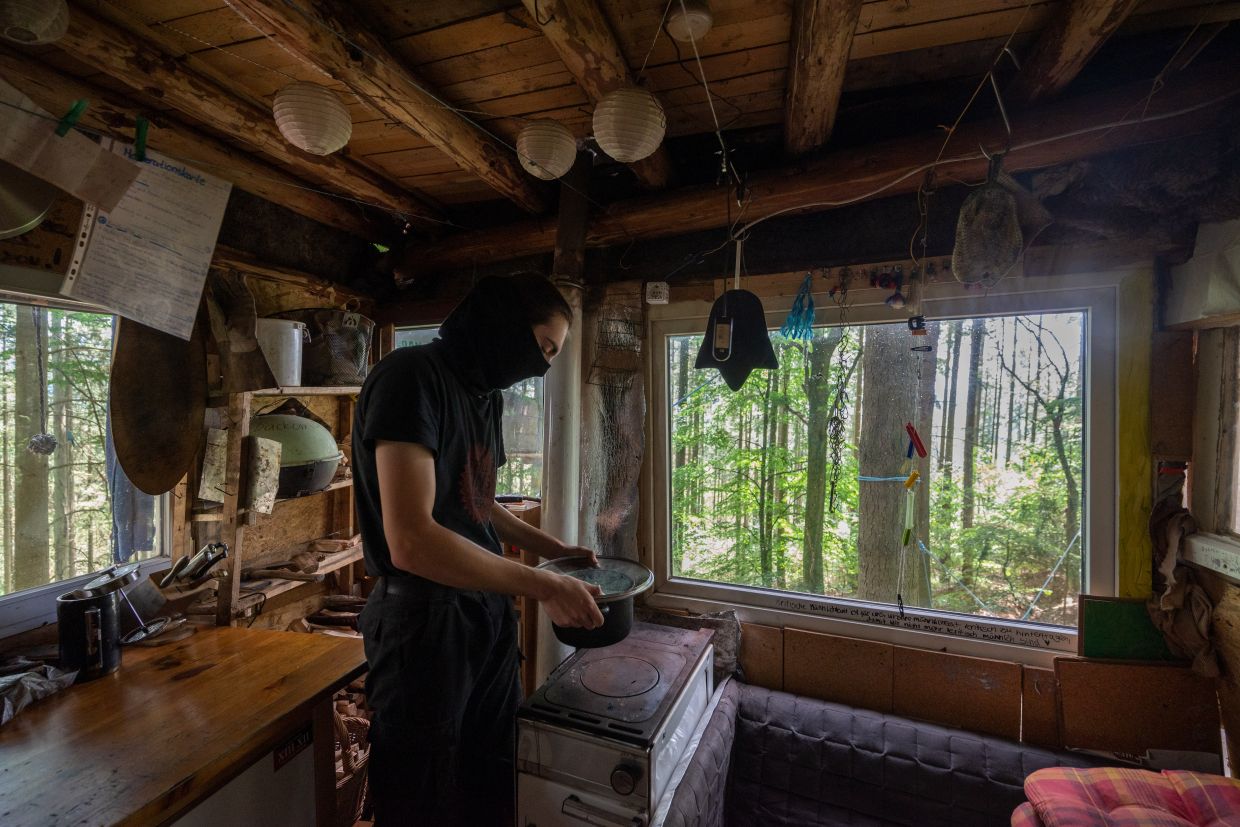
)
(620, 580)
(309, 455)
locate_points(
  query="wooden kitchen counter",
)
(173, 725)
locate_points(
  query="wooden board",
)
(157, 397)
(1131, 708)
(762, 655)
(840, 669)
(1039, 717)
(972, 693)
(1171, 414)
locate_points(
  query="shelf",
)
(338, 390)
(332, 562)
(216, 514)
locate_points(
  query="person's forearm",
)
(446, 557)
(512, 529)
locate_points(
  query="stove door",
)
(542, 802)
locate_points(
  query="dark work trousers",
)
(444, 688)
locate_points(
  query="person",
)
(439, 628)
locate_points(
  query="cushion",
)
(1112, 797)
(698, 800)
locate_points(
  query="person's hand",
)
(571, 603)
(577, 551)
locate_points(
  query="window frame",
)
(1095, 294)
(31, 608)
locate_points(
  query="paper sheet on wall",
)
(74, 163)
(147, 260)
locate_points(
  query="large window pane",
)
(70, 512)
(797, 481)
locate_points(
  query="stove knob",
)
(624, 778)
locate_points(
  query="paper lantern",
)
(690, 21)
(312, 118)
(547, 149)
(33, 22)
(629, 124)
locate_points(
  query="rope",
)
(1046, 583)
(981, 603)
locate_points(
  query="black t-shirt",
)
(413, 395)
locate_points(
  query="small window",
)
(523, 424)
(69, 512)
(800, 481)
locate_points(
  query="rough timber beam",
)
(822, 35)
(1193, 102)
(308, 28)
(110, 114)
(140, 64)
(587, 45)
(1077, 31)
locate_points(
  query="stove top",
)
(622, 691)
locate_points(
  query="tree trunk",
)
(977, 341)
(890, 383)
(765, 522)
(32, 566)
(818, 391)
(916, 578)
(62, 424)
(6, 426)
(949, 418)
(779, 541)
(1011, 409)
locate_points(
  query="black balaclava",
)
(489, 338)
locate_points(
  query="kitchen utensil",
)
(309, 454)
(281, 341)
(620, 580)
(174, 572)
(114, 581)
(157, 399)
(90, 633)
(207, 557)
(24, 200)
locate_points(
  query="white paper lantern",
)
(629, 124)
(33, 22)
(690, 22)
(547, 149)
(312, 118)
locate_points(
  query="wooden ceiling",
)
(209, 70)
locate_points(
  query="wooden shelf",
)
(215, 515)
(337, 390)
(331, 563)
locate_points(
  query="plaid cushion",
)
(1111, 797)
(1025, 816)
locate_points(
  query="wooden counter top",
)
(176, 722)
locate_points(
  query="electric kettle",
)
(89, 621)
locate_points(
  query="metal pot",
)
(621, 580)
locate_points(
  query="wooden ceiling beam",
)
(1078, 30)
(308, 29)
(140, 64)
(110, 114)
(822, 35)
(588, 47)
(1192, 103)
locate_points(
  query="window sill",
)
(1031, 644)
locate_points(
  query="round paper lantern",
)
(629, 124)
(547, 149)
(312, 118)
(690, 22)
(32, 22)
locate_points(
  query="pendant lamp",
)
(312, 118)
(689, 20)
(629, 124)
(33, 22)
(547, 149)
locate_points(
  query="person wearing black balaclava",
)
(440, 629)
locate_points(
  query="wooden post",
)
(232, 528)
(822, 34)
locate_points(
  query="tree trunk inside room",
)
(821, 403)
(31, 565)
(889, 390)
(977, 341)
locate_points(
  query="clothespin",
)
(912, 433)
(912, 480)
(71, 117)
(139, 143)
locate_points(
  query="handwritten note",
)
(147, 259)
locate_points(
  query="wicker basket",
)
(353, 748)
(338, 352)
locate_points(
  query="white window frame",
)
(1032, 643)
(31, 608)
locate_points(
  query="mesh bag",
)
(338, 352)
(988, 236)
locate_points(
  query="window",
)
(70, 512)
(523, 424)
(791, 493)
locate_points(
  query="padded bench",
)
(773, 759)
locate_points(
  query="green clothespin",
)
(139, 143)
(71, 117)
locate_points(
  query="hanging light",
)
(33, 22)
(629, 124)
(312, 118)
(689, 20)
(547, 149)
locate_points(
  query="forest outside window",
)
(796, 483)
(522, 423)
(70, 512)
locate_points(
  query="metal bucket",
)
(282, 341)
